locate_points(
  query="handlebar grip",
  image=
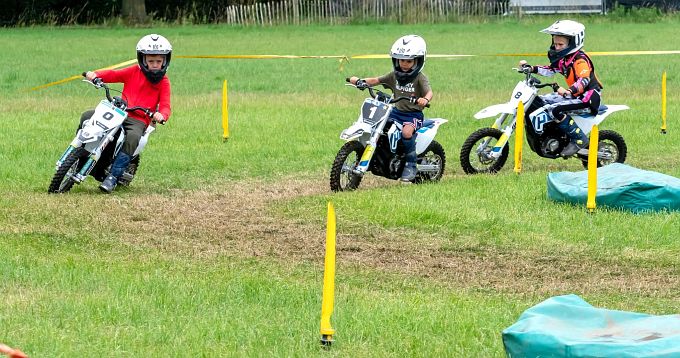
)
(347, 79)
(84, 73)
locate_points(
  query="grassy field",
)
(217, 247)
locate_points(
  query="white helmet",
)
(154, 45)
(409, 47)
(574, 31)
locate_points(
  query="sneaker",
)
(109, 184)
(570, 149)
(409, 173)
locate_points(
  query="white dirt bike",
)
(95, 145)
(486, 150)
(373, 143)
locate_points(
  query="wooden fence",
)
(297, 12)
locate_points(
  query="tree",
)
(134, 11)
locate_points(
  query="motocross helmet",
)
(153, 45)
(409, 47)
(572, 30)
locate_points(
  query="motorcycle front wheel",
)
(433, 159)
(476, 153)
(611, 148)
(343, 177)
(62, 181)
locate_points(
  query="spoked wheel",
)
(611, 148)
(63, 181)
(343, 177)
(431, 164)
(476, 154)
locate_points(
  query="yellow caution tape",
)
(594, 53)
(343, 59)
(80, 76)
(260, 57)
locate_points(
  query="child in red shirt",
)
(144, 85)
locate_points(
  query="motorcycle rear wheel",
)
(433, 155)
(610, 145)
(342, 176)
(476, 159)
(62, 181)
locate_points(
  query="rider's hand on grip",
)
(361, 84)
(421, 102)
(98, 82)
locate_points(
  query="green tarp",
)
(567, 326)
(619, 186)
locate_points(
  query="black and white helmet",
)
(154, 45)
(574, 31)
(409, 47)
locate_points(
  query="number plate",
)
(373, 111)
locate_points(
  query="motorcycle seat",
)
(428, 123)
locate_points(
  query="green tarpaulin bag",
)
(618, 186)
(567, 326)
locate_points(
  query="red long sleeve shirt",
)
(139, 91)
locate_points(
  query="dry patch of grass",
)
(238, 220)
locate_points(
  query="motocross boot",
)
(410, 171)
(117, 168)
(577, 139)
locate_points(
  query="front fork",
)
(366, 157)
(502, 141)
(91, 160)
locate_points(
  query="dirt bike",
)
(95, 145)
(486, 150)
(373, 143)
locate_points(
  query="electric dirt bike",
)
(373, 143)
(95, 145)
(486, 150)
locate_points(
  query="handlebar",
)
(531, 80)
(380, 95)
(121, 103)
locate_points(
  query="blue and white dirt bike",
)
(373, 143)
(486, 150)
(95, 145)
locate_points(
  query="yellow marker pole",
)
(592, 169)
(663, 103)
(519, 137)
(328, 280)
(225, 112)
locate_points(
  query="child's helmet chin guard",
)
(574, 31)
(153, 45)
(409, 47)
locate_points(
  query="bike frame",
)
(370, 125)
(526, 92)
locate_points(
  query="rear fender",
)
(427, 133)
(586, 122)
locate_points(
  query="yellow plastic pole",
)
(519, 137)
(225, 112)
(328, 280)
(592, 169)
(663, 103)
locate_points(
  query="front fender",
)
(495, 110)
(355, 131)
